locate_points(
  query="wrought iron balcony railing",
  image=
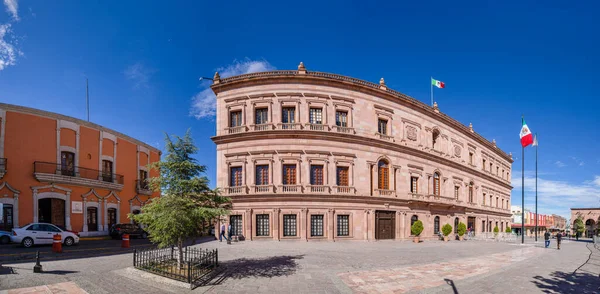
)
(40, 167)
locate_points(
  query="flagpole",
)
(536, 172)
(522, 192)
(431, 86)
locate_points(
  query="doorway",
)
(52, 210)
(471, 223)
(6, 223)
(112, 217)
(385, 225)
(92, 219)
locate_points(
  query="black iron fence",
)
(194, 264)
(76, 171)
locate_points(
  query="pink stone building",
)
(590, 218)
(310, 155)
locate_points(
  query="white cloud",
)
(578, 161)
(8, 51)
(12, 7)
(204, 102)
(560, 163)
(139, 74)
(597, 181)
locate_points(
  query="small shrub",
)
(508, 230)
(461, 229)
(447, 229)
(417, 228)
(496, 230)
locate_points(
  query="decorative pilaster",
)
(85, 227)
(57, 144)
(115, 160)
(77, 153)
(303, 220)
(276, 223)
(105, 210)
(35, 206)
(68, 211)
(248, 223)
(330, 227)
(366, 225)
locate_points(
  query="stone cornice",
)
(52, 115)
(352, 139)
(329, 79)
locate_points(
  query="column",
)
(248, 223)
(100, 155)
(399, 224)
(35, 205)
(16, 210)
(276, 223)
(77, 152)
(131, 210)
(303, 218)
(85, 227)
(105, 210)
(115, 161)
(366, 225)
(330, 231)
(118, 211)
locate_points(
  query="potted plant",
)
(446, 230)
(416, 229)
(496, 231)
(508, 230)
(461, 230)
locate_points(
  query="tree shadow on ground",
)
(563, 282)
(275, 266)
(7, 270)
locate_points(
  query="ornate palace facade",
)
(311, 155)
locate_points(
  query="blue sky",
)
(498, 62)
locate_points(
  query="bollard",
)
(125, 242)
(57, 243)
(37, 268)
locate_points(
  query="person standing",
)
(222, 235)
(558, 239)
(547, 238)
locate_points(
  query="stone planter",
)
(416, 239)
(460, 238)
(445, 238)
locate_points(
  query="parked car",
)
(4, 237)
(117, 231)
(42, 233)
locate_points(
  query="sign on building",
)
(76, 207)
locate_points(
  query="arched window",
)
(434, 137)
(384, 175)
(436, 225)
(413, 219)
(456, 225)
(436, 183)
(471, 192)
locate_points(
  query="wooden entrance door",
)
(92, 218)
(385, 225)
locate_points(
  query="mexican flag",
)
(437, 83)
(526, 136)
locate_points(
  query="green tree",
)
(187, 200)
(578, 226)
(508, 230)
(496, 230)
(417, 228)
(461, 229)
(446, 229)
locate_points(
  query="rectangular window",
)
(342, 176)
(456, 192)
(382, 126)
(316, 116)
(341, 119)
(343, 225)
(316, 225)
(144, 180)
(261, 116)
(262, 225)
(471, 158)
(316, 175)
(413, 185)
(236, 225)
(67, 163)
(288, 115)
(491, 166)
(483, 199)
(289, 225)
(289, 174)
(497, 202)
(235, 118)
(236, 176)
(107, 170)
(483, 164)
(497, 171)
(262, 175)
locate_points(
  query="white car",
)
(41, 233)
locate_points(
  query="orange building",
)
(69, 172)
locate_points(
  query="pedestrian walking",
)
(558, 239)
(222, 235)
(547, 238)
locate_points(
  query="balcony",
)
(75, 175)
(263, 189)
(316, 127)
(3, 162)
(384, 137)
(344, 190)
(344, 130)
(318, 189)
(236, 130)
(415, 196)
(289, 126)
(143, 187)
(262, 127)
(290, 188)
(385, 192)
(238, 190)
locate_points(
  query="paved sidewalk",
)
(341, 267)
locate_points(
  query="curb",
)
(94, 238)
